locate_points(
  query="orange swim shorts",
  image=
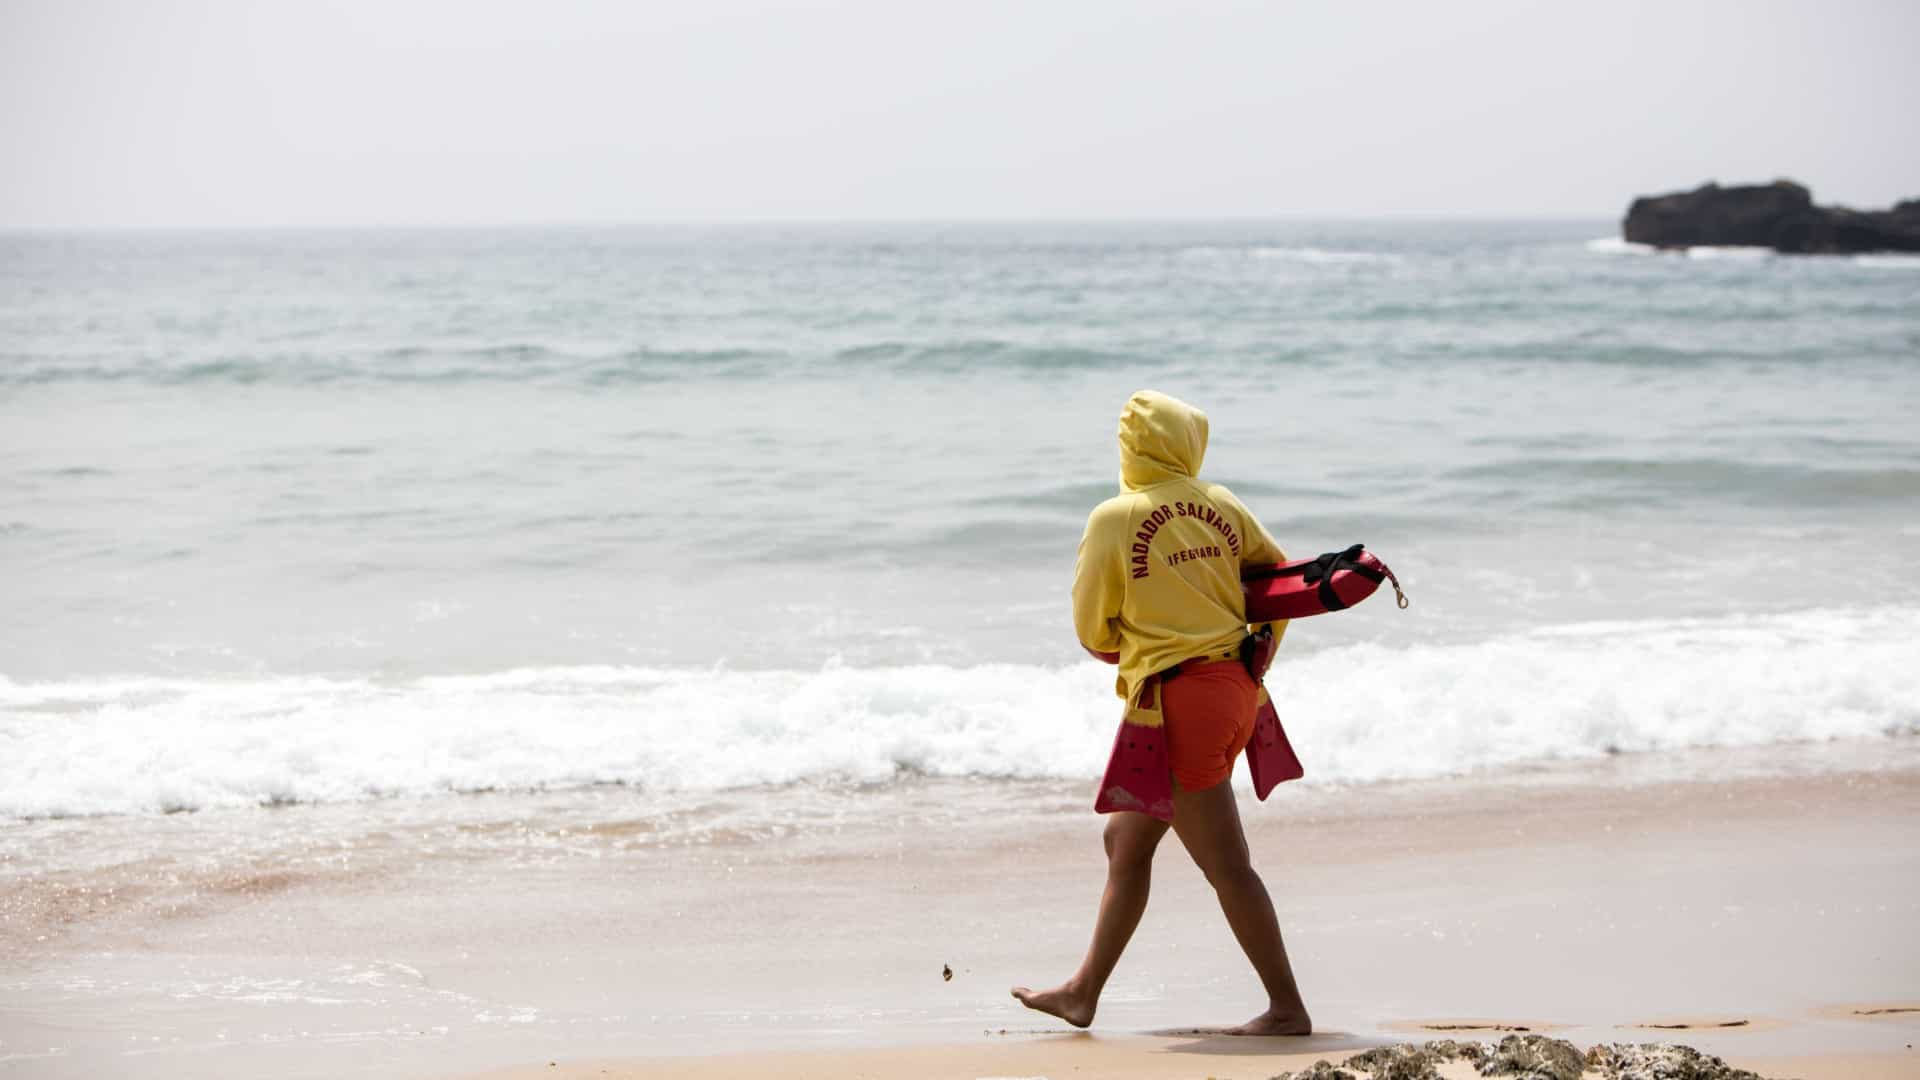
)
(1209, 712)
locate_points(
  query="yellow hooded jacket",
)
(1157, 580)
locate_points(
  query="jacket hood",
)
(1161, 438)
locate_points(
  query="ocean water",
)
(330, 517)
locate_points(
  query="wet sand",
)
(1764, 918)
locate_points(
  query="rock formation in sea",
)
(1780, 215)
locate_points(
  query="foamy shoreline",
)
(1564, 691)
(360, 939)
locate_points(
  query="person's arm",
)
(1259, 549)
(1100, 585)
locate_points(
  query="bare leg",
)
(1208, 823)
(1130, 840)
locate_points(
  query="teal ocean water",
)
(322, 516)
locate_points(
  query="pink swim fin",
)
(1139, 776)
(1270, 756)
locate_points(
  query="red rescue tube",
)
(1333, 582)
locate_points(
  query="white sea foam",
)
(1730, 252)
(1614, 245)
(1367, 712)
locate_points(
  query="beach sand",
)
(1120, 1057)
(1763, 917)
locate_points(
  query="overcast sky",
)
(152, 112)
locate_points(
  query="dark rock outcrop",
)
(1528, 1057)
(1535, 1057)
(1661, 1061)
(1401, 1062)
(1780, 215)
(1450, 1050)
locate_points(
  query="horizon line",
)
(1408, 217)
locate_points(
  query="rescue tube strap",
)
(1323, 568)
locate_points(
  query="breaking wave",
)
(1356, 713)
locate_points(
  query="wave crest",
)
(1564, 692)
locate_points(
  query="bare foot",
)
(1065, 1002)
(1274, 1022)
